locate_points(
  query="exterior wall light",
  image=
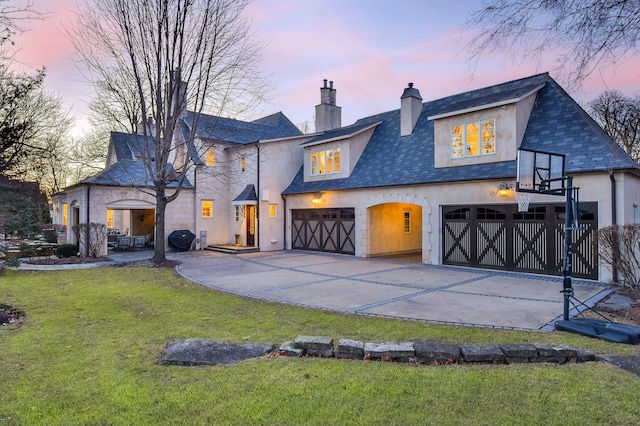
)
(316, 198)
(503, 190)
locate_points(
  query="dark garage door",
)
(500, 237)
(328, 230)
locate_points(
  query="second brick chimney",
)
(328, 115)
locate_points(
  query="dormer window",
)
(473, 138)
(325, 161)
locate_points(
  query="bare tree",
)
(116, 104)
(587, 33)
(11, 18)
(206, 44)
(618, 247)
(88, 153)
(306, 126)
(17, 125)
(619, 116)
(49, 142)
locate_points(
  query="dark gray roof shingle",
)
(131, 173)
(557, 124)
(242, 132)
(339, 133)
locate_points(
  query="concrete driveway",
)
(378, 286)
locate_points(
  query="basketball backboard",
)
(540, 172)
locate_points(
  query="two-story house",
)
(434, 178)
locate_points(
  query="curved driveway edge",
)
(376, 286)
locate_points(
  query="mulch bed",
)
(626, 316)
(10, 315)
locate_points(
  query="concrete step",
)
(231, 249)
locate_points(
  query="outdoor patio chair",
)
(138, 243)
(112, 241)
(123, 243)
(148, 240)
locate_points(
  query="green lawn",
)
(88, 351)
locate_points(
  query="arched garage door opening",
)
(395, 229)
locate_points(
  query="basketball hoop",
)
(523, 200)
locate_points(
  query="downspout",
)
(195, 204)
(284, 224)
(86, 248)
(614, 270)
(258, 194)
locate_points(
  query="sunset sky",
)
(371, 49)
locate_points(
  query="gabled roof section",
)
(242, 132)
(280, 122)
(129, 146)
(490, 101)
(557, 124)
(485, 97)
(130, 173)
(247, 196)
(341, 133)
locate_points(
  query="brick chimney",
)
(410, 109)
(328, 115)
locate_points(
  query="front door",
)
(251, 225)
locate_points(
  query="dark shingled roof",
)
(342, 132)
(242, 132)
(247, 194)
(127, 173)
(131, 146)
(557, 125)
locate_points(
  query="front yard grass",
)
(87, 354)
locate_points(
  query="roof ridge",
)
(493, 86)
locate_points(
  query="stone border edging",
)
(432, 353)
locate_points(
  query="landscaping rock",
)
(555, 351)
(627, 363)
(390, 351)
(315, 345)
(288, 349)
(206, 352)
(585, 356)
(520, 350)
(350, 349)
(436, 353)
(483, 353)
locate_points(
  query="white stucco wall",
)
(280, 161)
(178, 213)
(510, 124)
(594, 187)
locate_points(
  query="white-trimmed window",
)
(473, 138)
(207, 208)
(243, 163)
(325, 161)
(65, 214)
(238, 213)
(407, 222)
(210, 156)
(109, 218)
(273, 210)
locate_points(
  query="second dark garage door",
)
(500, 237)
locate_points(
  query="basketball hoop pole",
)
(567, 288)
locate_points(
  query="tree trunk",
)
(159, 241)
